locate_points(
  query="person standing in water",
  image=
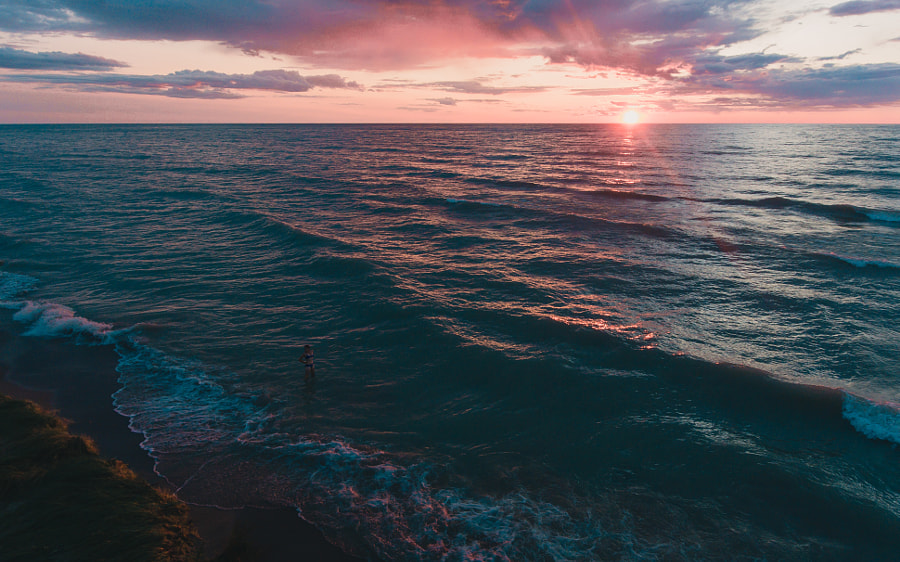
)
(309, 360)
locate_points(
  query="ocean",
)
(532, 342)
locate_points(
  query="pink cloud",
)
(400, 38)
(662, 40)
(384, 34)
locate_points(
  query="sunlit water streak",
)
(533, 342)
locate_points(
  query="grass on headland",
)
(59, 500)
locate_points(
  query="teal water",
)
(532, 342)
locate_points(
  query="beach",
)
(76, 382)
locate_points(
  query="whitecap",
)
(875, 420)
(55, 320)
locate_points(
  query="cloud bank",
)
(23, 60)
(678, 43)
(852, 86)
(386, 34)
(191, 83)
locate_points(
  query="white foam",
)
(55, 320)
(875, 420)
(49, 320)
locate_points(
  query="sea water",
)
(532, 342)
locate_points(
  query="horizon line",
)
(437, 123)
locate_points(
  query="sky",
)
(449, 61)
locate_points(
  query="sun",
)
(631, 117)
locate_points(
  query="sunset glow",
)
(631, 117)
(449, 61)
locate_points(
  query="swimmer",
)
(309, 360)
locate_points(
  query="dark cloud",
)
(715, 64)
(839, 86)
(191, 83)
(325, 81)
(661, 57)
(241, 23)
(557, 18)
(831, 86)
(334, 32)
(25, 60)
(650, 38)
(841, 56)
(169, 92)
(39, 15)
(859, 7)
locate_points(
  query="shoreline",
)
(76, 383)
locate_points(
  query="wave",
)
(875, 420)
(470, 202)
(726, 150)
(55, 320)
(862, 263)
(618, 194)
(280, 229)
(185, 195)
(867, 172)
(438, 174)
(838, 212)
(572, 221)
(516, 184)
(507, 156)
(47, 319)
(737, 389)
(883, 216)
